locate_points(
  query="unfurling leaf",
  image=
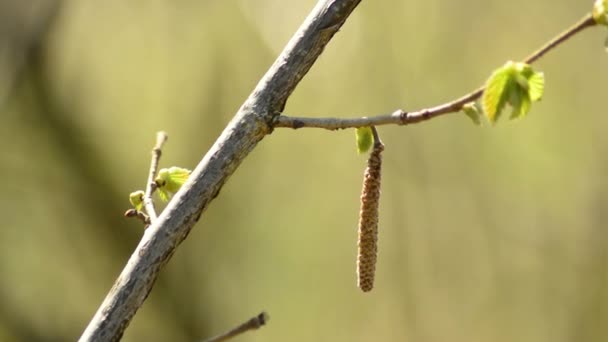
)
(137, 199)
(516, 84)
(472, 112)
(520, 102)
(494, 96)
(536, 86)
(365, 139)
(170, 180)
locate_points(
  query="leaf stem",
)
(401, 117)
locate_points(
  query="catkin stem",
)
(368, 218)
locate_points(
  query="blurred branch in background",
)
(24, 27)
(251, 324)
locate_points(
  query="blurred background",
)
(486, 234)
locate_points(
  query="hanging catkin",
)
(368, 220)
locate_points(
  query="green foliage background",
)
(486, 234)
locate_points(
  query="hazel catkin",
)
(368, 220)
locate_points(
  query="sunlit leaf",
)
(516, 84)
(536, 86)
(170, 180)
(520, 101)
(365, 139)
(164, 195)
(496, 91)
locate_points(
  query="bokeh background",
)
(486, 234)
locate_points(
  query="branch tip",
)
(161, 139)
(251, 324)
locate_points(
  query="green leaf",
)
(521, 73)
(170, 180)
(600, 12)
(472, 112)
(365, 139)
(520, 101)
(164, 195)
(516, 84)
(536, 86)
(137, 199)
(496, 90)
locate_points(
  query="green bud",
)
(471, 110)
(600, 12)
(137, 199)
(365, 139)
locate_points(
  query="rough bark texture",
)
(251, 123)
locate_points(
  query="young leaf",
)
(170, 180)
(516, 84)
(497, 88)
(521, 73)
(472, 112)
(536, 86)
(365, 139)
(520, 101)
(137, 199)
(600, 12)
(164, 195)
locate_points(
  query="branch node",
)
(297, 124)
(403, 116)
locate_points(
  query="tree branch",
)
(251, 324)
(401, 117)
(161, 138)
(251, 124)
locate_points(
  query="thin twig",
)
(401, 117)
(585, 22)
(161, 138)
(252, 324)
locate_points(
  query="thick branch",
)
(250, 124)
(401, 117)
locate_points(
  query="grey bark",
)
(252, 123)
